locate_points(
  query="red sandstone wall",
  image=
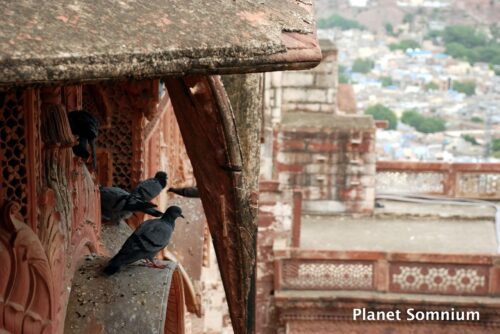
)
(335, 168)
(275, 222)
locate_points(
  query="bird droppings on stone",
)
(138, 290)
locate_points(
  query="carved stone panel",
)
(27, 303)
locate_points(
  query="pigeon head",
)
(174, 212)
(162, 177)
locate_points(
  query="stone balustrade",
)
(468, 180)
(442, 274)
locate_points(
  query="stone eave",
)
(81, 41)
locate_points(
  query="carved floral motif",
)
(26, 285)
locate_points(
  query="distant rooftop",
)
(406, 227)
(327, 45)
(76, 40)
(326, 120)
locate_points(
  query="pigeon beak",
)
(182, 216)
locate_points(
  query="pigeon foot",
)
(154, 264)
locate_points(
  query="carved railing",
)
(447, 274)
(467, 180)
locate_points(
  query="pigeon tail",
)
(186, 192)
(138, 205)
(153, 212)
(94, 154)
(111, 268)
(80, 149)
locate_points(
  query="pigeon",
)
(84, 125)
(186, 192)
(118, 204)
(150, 188)
(148, 239)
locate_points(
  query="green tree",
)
(432, 86)
(404, 45)
(408, 18)
(470, 139)
(382, 113)
(457, 50)
(487, 54)
(362, 65)
(465, 35)
(337, 21)
(421, 123)
(342, 78)
(341, 75)
(389, 29)
(433, 35)
(386, 81)
(495, 145)
(411, 117)
(495, 31)
(431, 125)
(476, 119)
(466, 87)
(464, 42)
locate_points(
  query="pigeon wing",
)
(131, 251)
(112, 199)
(84, 124)
(133, 203)
(148, 189)
(154, 234)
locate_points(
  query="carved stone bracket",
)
(26, 285)
(208, 128)
(68, 201)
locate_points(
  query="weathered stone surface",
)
(70, 40)
(131, 301)
(291, 120)
(330, 157)
(245, 93)
(209, 130)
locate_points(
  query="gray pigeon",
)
(186, 192)
(150, 237)
(150, 188)
(86, 127)
(118, 204)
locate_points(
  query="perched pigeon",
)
(86, 127)
(118, 204)
(150, 188)
(186, 192)
(150, 237)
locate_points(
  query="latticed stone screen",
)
(116, 139)
(323, 275)
(478, 184)
(443, 279)
(410, 182)
(13, 153)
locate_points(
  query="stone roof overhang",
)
(77, 41)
